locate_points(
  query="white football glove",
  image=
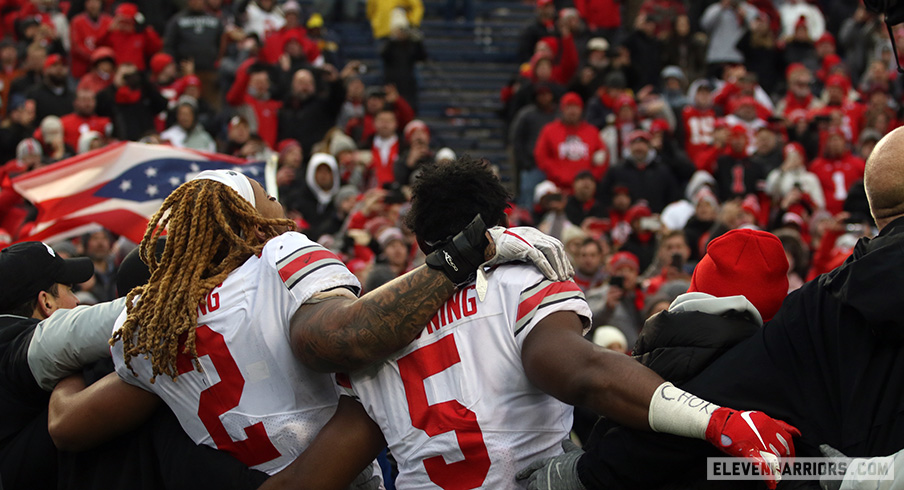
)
(524, 243)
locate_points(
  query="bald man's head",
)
(884, 178)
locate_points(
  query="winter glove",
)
(556, 473)
(830, 482)
(460, 257)
(754, 436)
(367, 480)
(524, 243)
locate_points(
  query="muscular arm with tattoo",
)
(338, 332)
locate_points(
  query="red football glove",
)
(752, 435)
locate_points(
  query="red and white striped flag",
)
(118, 187)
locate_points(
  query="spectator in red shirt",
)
(361, 129)
(252, 88)
(836, 95)
(163, 75)
(103, 67)
(740, 83)
(837, 169)
(569, 145)
(561, 49)
(132, 41)
(699, 120)
(385, 147)
(274, 46)
(14, 209)
(799, 95)
(83, 119)
(603, 17)
(85, 31)
(706, 158)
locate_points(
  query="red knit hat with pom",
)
(745, 262)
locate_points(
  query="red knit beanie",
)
(745, 262)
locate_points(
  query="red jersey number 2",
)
(224, 396)
(443, 417)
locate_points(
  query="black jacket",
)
(49, 102)
(828, 363)
(399, 60)
(132, 121)
(194, 35)
(678, 345)
(28, 458)
(307, 121)
(654, 182)
(729, 185)
(156, 455)
(578, 211)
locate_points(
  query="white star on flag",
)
(152, 190)
(174, 181)
(125, 185)
(150, 172)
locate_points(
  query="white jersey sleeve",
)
(545, 297)
(305, 268)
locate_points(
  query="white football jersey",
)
(455, 405)
(253, 399)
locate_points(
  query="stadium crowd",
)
(640, 130)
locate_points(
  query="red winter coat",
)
(84, 34)
(836, 176)
(564, 151)
(265, 110)
(74, 125)
(599, 14)
(133, 47)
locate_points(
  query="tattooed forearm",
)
(344, 335)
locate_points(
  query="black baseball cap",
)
(28, 268)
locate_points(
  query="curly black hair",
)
(447, 196)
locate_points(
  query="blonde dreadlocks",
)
(211, 230)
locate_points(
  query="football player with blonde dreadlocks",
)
(240, 317)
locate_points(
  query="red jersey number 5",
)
(224, 396)
(443, 417)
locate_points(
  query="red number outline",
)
(224, 396)
(443, 417)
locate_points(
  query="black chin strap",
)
(894, 47)
(886, 5)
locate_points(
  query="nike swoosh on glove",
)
(526, 244)
(556, 473)
(754, 436)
